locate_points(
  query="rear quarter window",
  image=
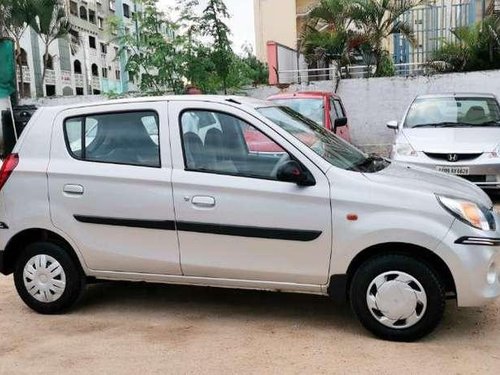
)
(130, 138)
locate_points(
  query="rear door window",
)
(120, 138)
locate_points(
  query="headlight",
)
(404, 149)
(469, 212)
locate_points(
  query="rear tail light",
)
(8, 166)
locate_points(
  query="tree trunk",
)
(44, 70)
(20, 66)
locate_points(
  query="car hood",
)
(421, 179)
(453, 140)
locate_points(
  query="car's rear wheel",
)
(397, 297)
(47, 279)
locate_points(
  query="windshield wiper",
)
(370, 161)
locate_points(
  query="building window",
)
(73, 8)
(117, 55)
(92, 42)
(117, 74)
(83, 13)
(91, 16)
(79, 90)
(23, 58)
(104, 48)
(131, 77)
(126, 11)
(104, 73)
(77, 67)
(50, 90)
(100, 22)
(49, 64)
(112, 5)
(95, 70)
(74, 36)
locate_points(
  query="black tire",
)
(74, 278)
(425, 275)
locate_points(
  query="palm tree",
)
(326, 36)
(377, 20)
(16, 16)
(50, 24)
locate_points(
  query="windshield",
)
(453, 112)
(313, 109)
(323, 142)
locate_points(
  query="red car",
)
(325, 108)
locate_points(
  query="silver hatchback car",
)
(453, 133)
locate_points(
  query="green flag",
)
(7, 68)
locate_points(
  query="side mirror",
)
(392, 125)
(291, 171)
(339, 122)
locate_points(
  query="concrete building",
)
(87, 61)
(280, 21)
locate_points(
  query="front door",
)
(235, 220)
(110, 187)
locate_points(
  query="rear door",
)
(235, 220)
(110, 186)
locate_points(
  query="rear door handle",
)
(73, 189)
(203, 201)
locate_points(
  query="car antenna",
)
(231, 100)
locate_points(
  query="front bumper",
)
(474, 261)
(483, 171)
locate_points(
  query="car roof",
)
(303, 94)
(457, 94)
(222, 99)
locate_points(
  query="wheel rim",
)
(396, 299)
(44, 278)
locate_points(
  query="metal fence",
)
(432, 25)
(352, 71)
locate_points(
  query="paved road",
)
(135, 328)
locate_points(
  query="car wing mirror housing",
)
(392, 125)
(292, 171)
(339, 122)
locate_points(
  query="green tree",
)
(338, 29)
(154, 54)
(377, 20)
(50, 23)
(212, 25)
(475, 47)
(16, 16)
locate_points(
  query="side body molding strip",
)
(221, 229)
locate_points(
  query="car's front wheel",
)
(47, 279)
(397, 297)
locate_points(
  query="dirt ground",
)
(137, 328)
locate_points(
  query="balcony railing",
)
(26, 74)
(96, 83)
(66, 77)
(78, 80)
(50, 77)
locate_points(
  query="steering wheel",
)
(283, 159)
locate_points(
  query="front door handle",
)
(73, 189)
(203, 201)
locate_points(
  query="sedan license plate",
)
(459, 171)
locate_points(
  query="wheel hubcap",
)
(396, 299)
(44, 278)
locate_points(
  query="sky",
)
(241, 22)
